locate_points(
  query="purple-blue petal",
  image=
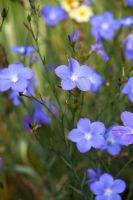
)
(68, 84)
(75, 135)
(83, 145)
(62, 71)
(118, 186)
(83, 125)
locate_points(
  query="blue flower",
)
(104, 25)
(39, 116)
(129, 2)
(125, 132)
(98, 48)
(128, 89)
(27, 123)
(112, 143)
(74, 38)
(128, 47)
(74, 75)
(52, 15)
(16, 77)
(87, 135)
(107, 188)
(23, 50)
(126, 21)
(93, 175)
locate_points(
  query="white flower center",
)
(128, 21)
(74, 77)
(14, 78)
(111, 141)
(88, 136)
(108, 191)
(105, 26)
(52, 16)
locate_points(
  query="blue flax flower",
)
(126, 21)
(23, 50)
(98, 48)
(74, 75)
(128, 47)
(128, 89)
(125, 132)
(93, 175)
(104, 25)
(107, 188)
(16, 77)
(52, 15)
(87, 135)
(129, 2)
(39, 116)
(112, 143)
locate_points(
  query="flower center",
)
(52, 16)
(111, 141)
(108, 191)
(105, 26)
(82, 13)
(88, 136)
(128, 21)
(74, 77)
(14, 78)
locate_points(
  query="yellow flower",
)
(69, 4)
(81, 13)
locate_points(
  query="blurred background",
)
(33, 160)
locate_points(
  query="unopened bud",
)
(4, 13)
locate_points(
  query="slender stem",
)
(123, 168)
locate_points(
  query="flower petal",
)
(98, 128)
(62, 71)
(74, 66)
(107, 180)
(97, 188)
(114, 149)
(83, 84)
(127, 119)
(118, 186)
(14, 68)
(83, 145)
(120, 130)
(67, 84)
(83, 125)
(26, 73)
(4, 85)
(97, 141)
(20, 85)
(75, 135)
